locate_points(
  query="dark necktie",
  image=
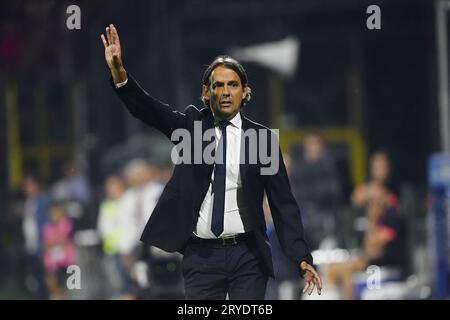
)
(219, 182)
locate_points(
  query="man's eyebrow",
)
(222, 82)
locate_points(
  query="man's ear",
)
(247, 92)
(205, 92)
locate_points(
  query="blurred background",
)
(363, 117)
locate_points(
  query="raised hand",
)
(113, 54)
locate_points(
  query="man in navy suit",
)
(211, 211)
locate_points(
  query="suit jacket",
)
(175, 216)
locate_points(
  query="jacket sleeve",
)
(286, 213)
(148, 109)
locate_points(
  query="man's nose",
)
(226, 90)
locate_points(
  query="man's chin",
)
(227, 113)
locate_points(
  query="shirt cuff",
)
(121, 84)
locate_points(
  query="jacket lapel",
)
(202, 171)
(207, 123)
(244, 149)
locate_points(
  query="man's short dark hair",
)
(229, 63)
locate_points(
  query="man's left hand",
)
(312, 278)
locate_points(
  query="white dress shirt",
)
(234, 209)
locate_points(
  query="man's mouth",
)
(225, 103)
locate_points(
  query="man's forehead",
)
(222, 74)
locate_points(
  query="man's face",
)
(225, 93)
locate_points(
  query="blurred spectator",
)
(60, 250)
(138, 201)
(384, 239)
(74, 192)
(136, 206)
(316, 187)
(365, 196)
(73, 186)
(380, 173)
(35, 216)
(108, 227)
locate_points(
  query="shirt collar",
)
(236, 121)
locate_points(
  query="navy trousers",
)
(212, 270)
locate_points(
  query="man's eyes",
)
(220, 85)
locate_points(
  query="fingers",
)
(310, 285)
(112, 35)
(306, 286)
(108, 35)
(317, 280)
(315, 274)
(318, 283)
(104, 40)
(312, 279)
(115, 35)
(311, 289)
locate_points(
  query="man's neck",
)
(217, 117)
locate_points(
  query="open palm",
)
(113, 51)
